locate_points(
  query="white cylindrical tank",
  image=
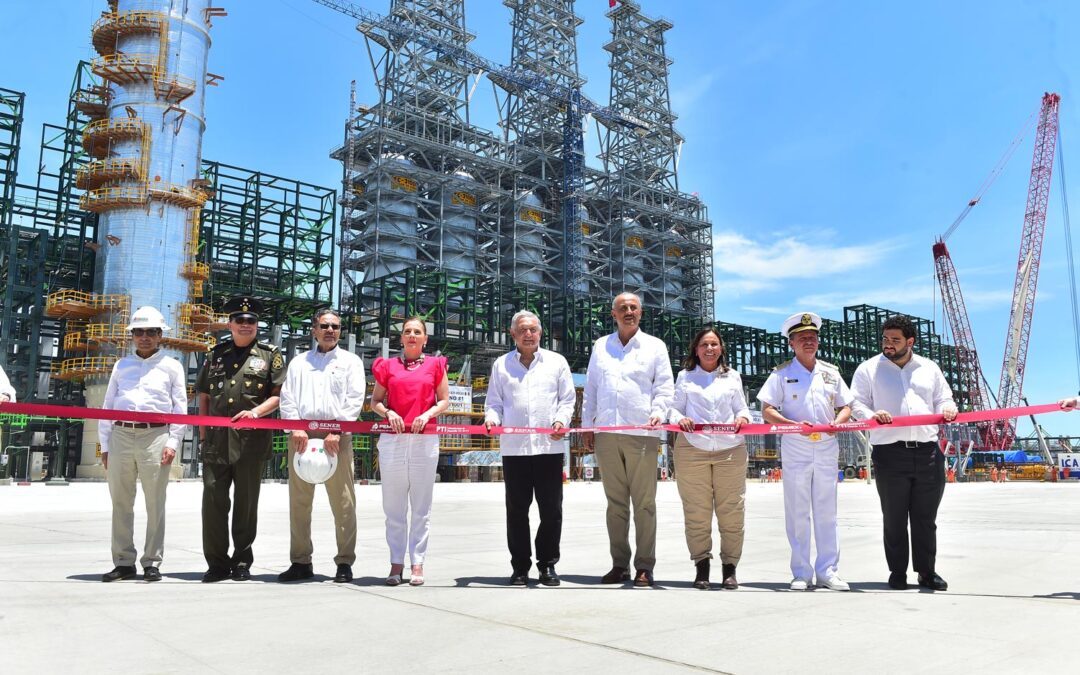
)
(459, 224)
(528, 242)
(674, 278)
(633, 261)
(393, 237)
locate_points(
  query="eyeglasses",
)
(330, 326)
(140, 332)
(249, 320)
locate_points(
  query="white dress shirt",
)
(324, 386)
(627, 384)
(5, 386)
(710, 398)
(919, 388)
(157, 384)
(537, 395)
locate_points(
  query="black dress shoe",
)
(730, 582)
(933, 582)
(701, 581)
(215, 574)
(616, 575)
(519, 579)
(151, 574)
(241, 572)
(297, 572)
(643, 578)
(344, 574)
(898, 581)
(549, 577)
(118, 573)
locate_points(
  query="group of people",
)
(628, 383)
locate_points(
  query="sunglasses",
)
(249, 320)
(330, 326)
(140, 332)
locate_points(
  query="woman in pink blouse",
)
(710, 470)
(411, 390)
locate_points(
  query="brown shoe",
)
(730, 582)
(643, 578)
(617, 575)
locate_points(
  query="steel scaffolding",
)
(11, 119)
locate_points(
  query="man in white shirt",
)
(7, 392)
(325, 383)
(806, 390)
(146, 381)
(909, 466)
(628, 382)
(531, 387)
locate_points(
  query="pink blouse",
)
(409, 393)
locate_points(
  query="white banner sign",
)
(460, 399)
(1069, 460)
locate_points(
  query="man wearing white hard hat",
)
(325, 383)
(146, 381)
(806, 390)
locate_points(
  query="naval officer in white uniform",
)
(805, 390)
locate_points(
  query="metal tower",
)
(664, 238)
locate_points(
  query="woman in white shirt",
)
(710, 469)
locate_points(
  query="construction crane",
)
(386, 31)
(999, 434)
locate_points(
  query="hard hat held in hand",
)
(147, 317)
(313, 464)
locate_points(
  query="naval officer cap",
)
(797, 323)
(243, 305)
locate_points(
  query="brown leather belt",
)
(140, 425)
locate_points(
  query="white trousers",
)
(810, 490)
(407, 464)
(135, 457)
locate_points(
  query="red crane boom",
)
(999, 435)
(1011, 387)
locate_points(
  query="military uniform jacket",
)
(801, 394)
(238, 379)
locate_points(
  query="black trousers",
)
(525, 476)
(910, 484)
(246, 475)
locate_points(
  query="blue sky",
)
(832, 141)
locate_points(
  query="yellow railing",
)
(103, 199)
(83, 366)
(196, 271)
(177, 194)
(101, 170)
(114, 24)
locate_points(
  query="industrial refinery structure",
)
(439, 217)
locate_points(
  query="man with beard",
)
(909, 466)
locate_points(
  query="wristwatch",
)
(254, 414)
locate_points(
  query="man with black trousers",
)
(909, 466)
(531, 387)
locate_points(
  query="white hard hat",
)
(147, 317)
(313, 464)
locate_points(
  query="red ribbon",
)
(333, 426)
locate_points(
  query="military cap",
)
(243, 305)
(797, 323)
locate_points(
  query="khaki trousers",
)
(628, 472)
(342, 495)
(712, 481)
(135, 457)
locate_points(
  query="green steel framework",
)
(261, 234)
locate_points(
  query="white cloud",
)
(779, 311)
(790, 257)
(686, 96)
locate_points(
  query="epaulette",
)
(829, 365)
(783, 365)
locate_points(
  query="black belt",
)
(140, 425)
(908, 444)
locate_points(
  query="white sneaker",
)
(834, 583)
(798, 584)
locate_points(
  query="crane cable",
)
(1069, 255)
(994, 174)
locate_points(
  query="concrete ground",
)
(1011, 554)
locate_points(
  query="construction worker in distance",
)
(806, 390)
(146, 381)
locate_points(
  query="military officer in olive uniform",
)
(240, 379)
